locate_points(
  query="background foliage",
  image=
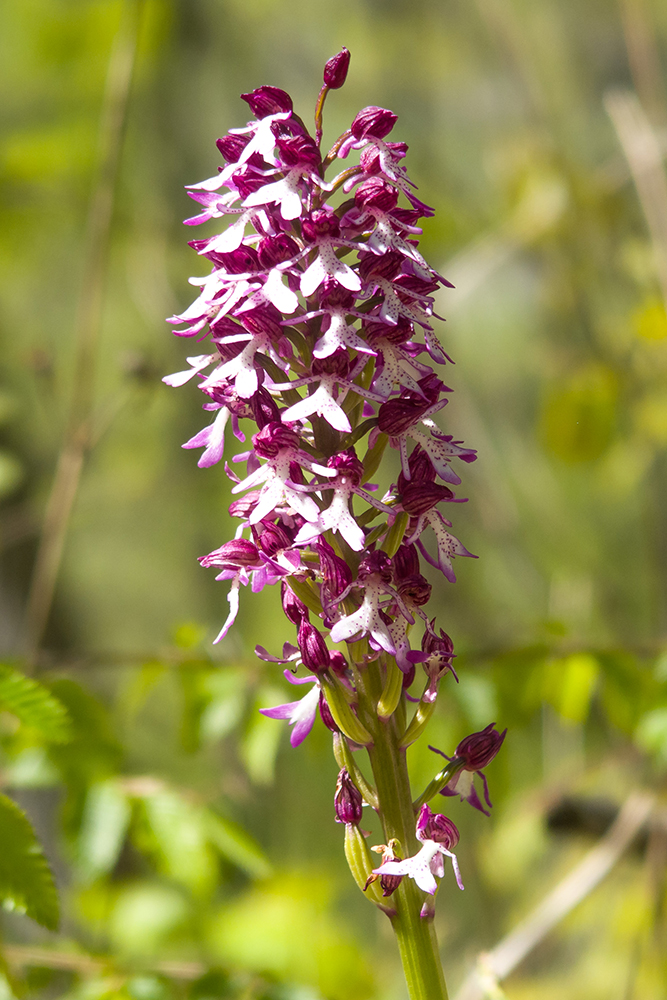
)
(195, 852)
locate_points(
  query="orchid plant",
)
(319, 315)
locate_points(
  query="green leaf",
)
(179, 832)
(26, 882)
(237, 846)
(106, 817)
(261, 739)
(93, 751)
(33, 705)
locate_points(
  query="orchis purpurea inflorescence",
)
(318, 312)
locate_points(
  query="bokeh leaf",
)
(237, 846)
(106, 818)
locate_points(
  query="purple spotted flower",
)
(438, 835)
(318, 358)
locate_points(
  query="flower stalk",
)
(318, 310)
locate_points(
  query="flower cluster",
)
(318, 313)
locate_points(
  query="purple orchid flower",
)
(472, 754)
(438, 835)
(299, 714)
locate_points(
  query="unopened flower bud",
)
(339, 664)
(347, 800)
(294, 609)
(326, 716)
(314, 652)
(273, 537)
(335, 70)
(405, 562)
(479, 749)
(264, 408)
(267, 101)
(337, 574)
(376, 193)
(373, 121)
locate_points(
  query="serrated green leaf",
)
(237, 846)
(33, 705)
(26, 882)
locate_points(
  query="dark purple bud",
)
(435, 826)
(408, 677)
(273, 537)
(376, 193)
(405, 562)
(293, 607)
(326, 716)
(238, 552)
(335, 571)
(264, 408)
(479, 749)
(415, 589)
(244, 506)
(347, 800)
(273, 438)
(373, 121)
(298, 150)
(347, 464)
(231, 146)
(268, 101)
(320, 223)
(296, 474)
(418, 497)
(375, 562)
(338, 664)
(314, 652)
(335, 70)
(398, 415)
(274, 250)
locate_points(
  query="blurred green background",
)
(195, 851)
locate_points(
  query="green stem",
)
(415, 934)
